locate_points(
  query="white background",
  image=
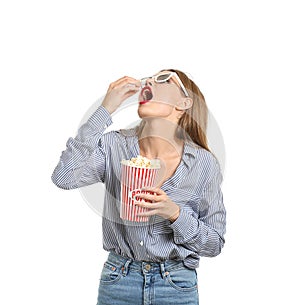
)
(58, 58)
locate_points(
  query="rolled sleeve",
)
(183, 227)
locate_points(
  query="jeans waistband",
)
(143, 266)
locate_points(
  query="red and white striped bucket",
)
(132, 180)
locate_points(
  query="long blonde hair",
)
(193, 123)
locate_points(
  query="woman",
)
(153, 262)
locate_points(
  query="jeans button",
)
(147, 267)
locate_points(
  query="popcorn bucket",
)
(133, 179)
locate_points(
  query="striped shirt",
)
(94, 156)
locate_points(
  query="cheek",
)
(166, 94)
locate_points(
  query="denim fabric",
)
(127, 282)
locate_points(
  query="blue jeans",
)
(127, 282)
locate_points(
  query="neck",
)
(158, 139)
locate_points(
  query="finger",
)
(128, 88)
(148, 213)
(147, 205)
(129, 94)
(147, 196)
(120, 80)
(126, 92)
(126, 80)
(156, 190)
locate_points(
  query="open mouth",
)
(146, 95)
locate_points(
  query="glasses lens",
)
(163, 77)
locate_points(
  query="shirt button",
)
(141, 243)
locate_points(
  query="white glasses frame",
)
(169, 76)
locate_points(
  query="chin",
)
(142, 112)
(149, 112)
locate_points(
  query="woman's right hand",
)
(119, 91)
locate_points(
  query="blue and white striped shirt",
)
(94, 156)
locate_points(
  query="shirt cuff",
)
(181, 226)
(100, 118)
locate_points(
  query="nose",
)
(146, 81)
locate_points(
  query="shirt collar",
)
(189, 153)
(189, 149)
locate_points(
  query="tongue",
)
(148, 95)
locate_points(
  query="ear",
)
(184, 103)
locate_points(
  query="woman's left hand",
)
(160, 204)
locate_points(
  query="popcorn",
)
(142, 162)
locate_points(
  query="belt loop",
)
(162, 270)
(125, 267)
